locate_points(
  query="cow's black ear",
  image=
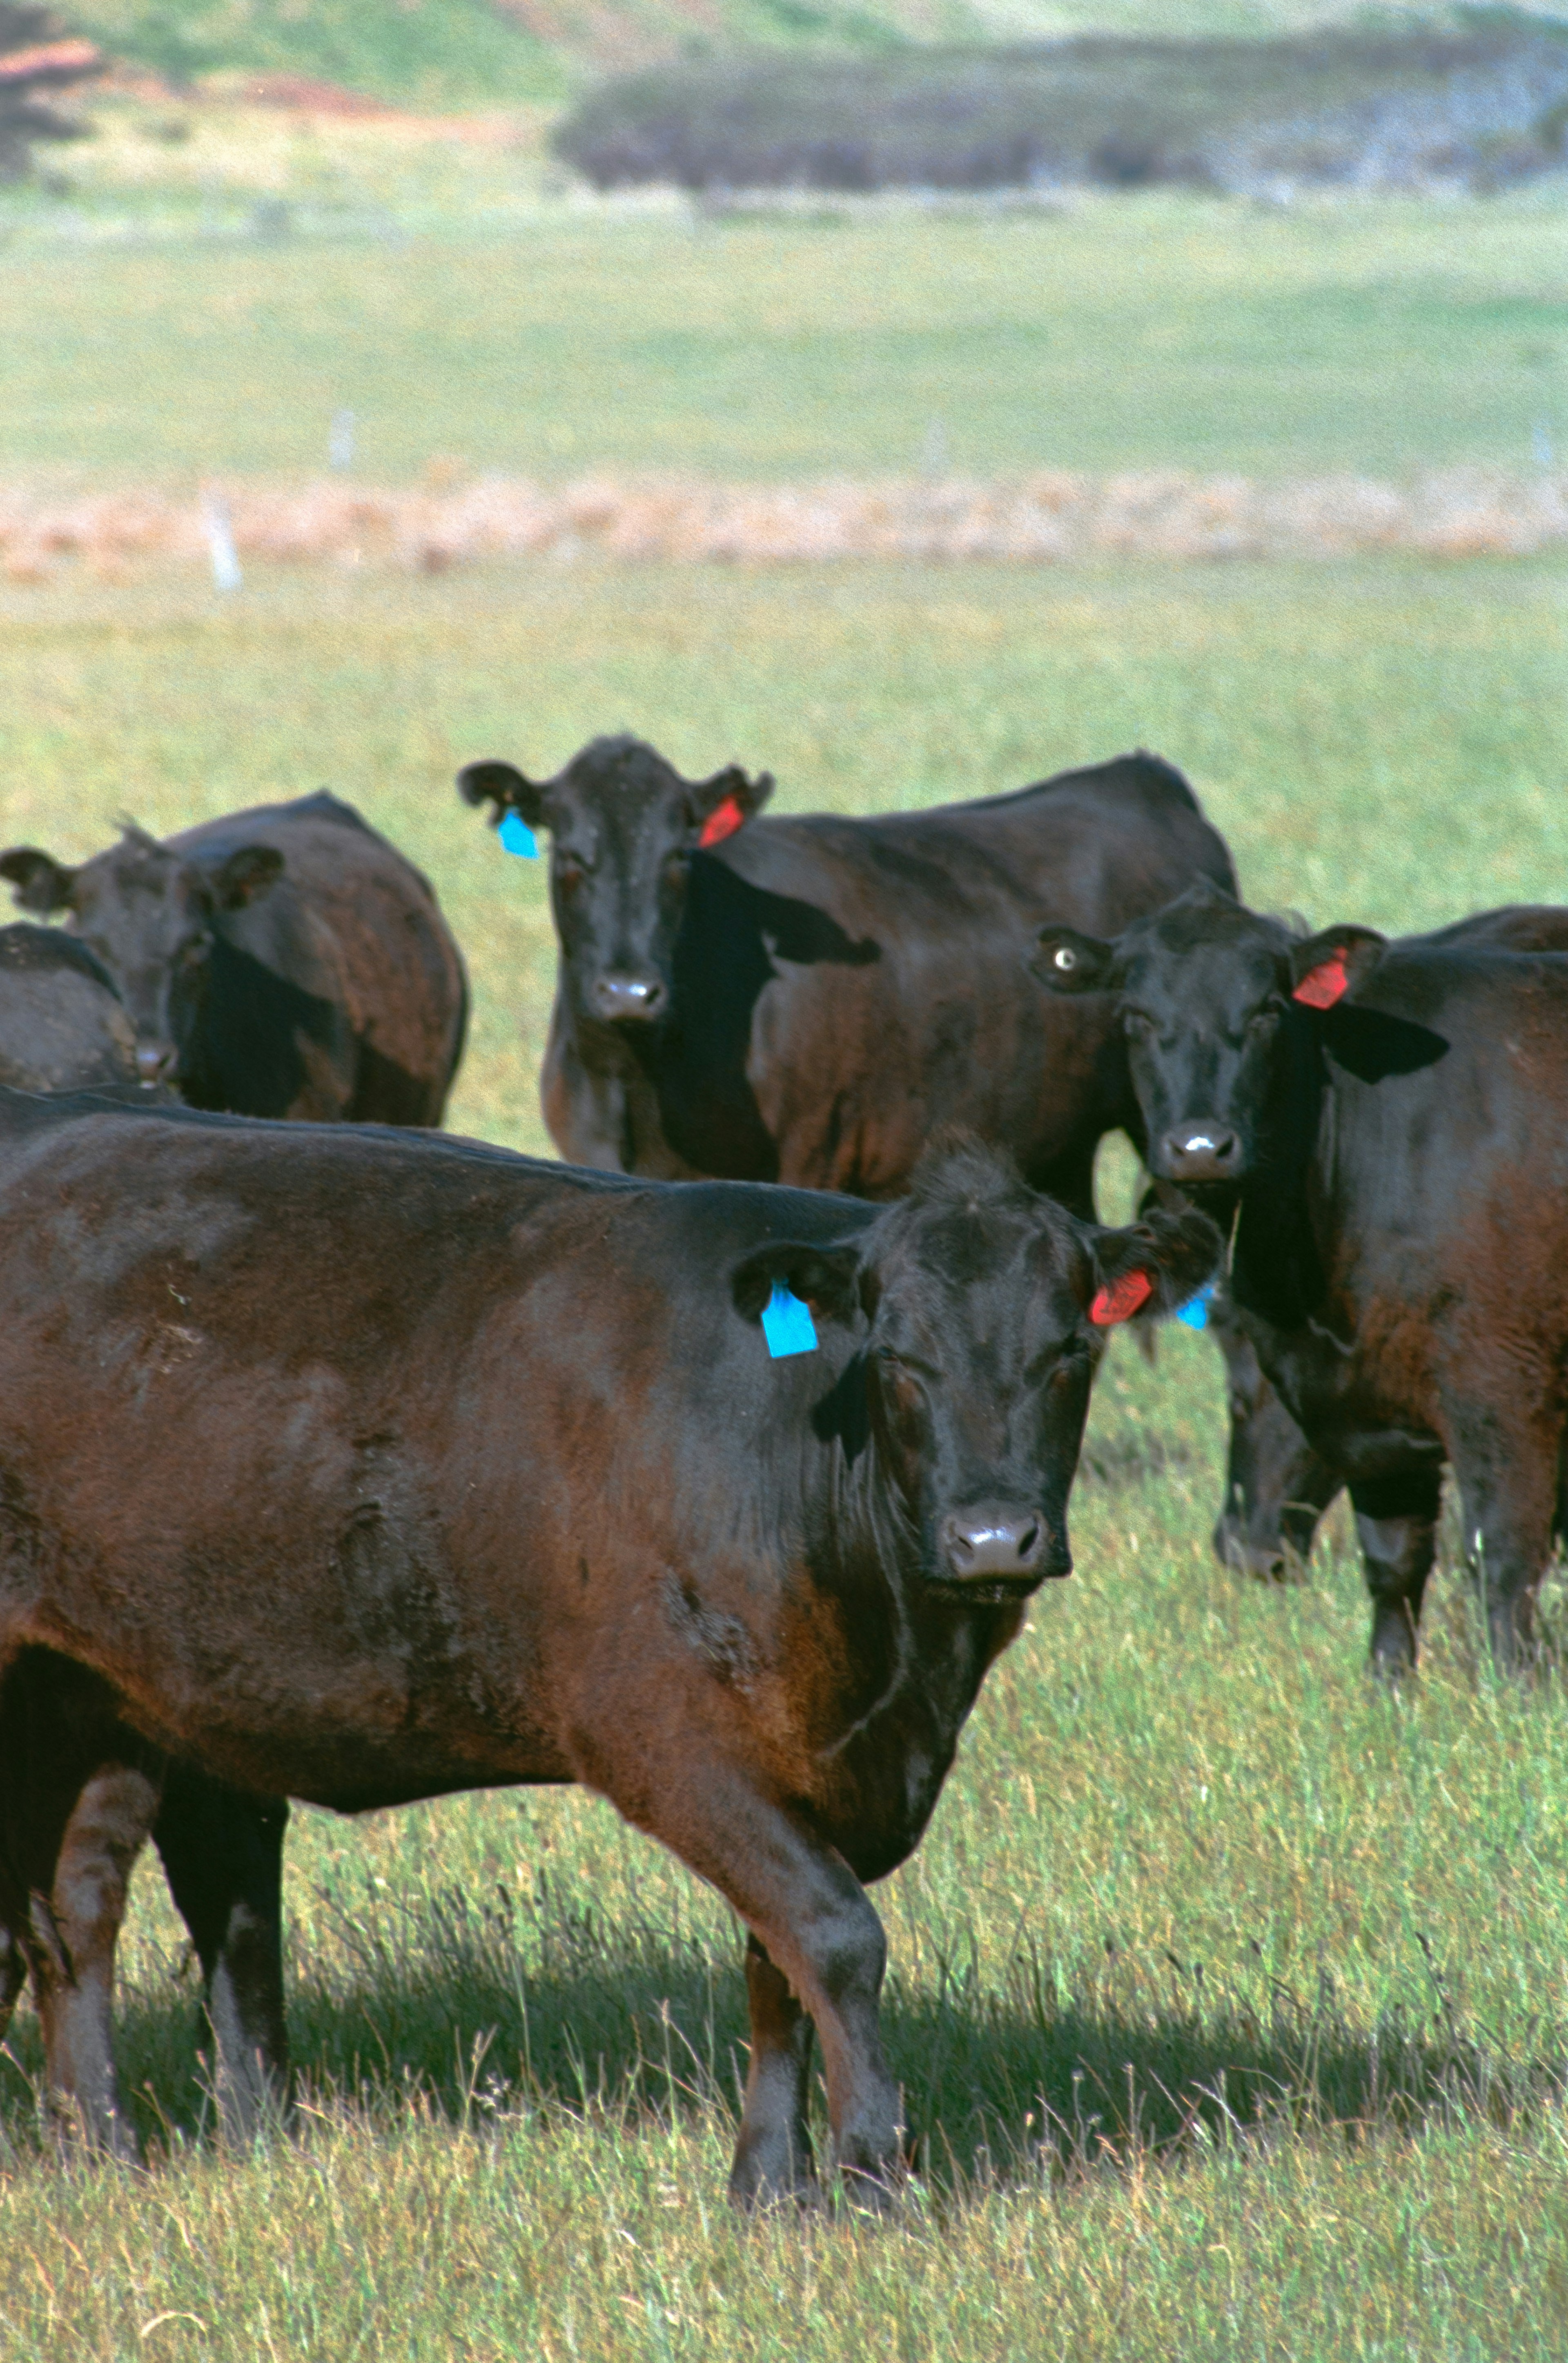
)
(42, 883)
(245, 875)
(1153, 1267)
(503, 787)
(1336, 960)
(730, 792)
(1069, 962)
(827, 1279)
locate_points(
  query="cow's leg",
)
(1396, 1520)
(223, 1854)
(1276, 1486)
(79, 1794)
(1507, 1461)
(773, 2156)
(820, 1931)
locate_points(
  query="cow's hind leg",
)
(78, 1797)
(222, 1855)
(820, 1936)
(1397, 1520)
(1507, 1463)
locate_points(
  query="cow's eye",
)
(676, 868)
(569, 876)
(1263, 1021)
(195, 953)
(1136, 1026)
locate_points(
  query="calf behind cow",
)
(285, 961)
(1384, 1123)
(404, 1465)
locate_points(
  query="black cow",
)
(1385, 1122)
(284, 961)
(807, 1000)
(62, 1026)
(403, 1465)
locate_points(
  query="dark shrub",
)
(1373, 110)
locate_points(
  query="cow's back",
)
(62, 1025)
(355, 926)
(847, 987)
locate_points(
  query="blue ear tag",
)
(1195, 1311)
(517, 837)
(787, 1324)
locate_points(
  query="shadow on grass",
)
(437, 2011)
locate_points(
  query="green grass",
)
(1228, 1998)
(1136, 331)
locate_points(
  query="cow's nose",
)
(1203, 1149)
(995, 1539)
(156, 1061)
(618, 993)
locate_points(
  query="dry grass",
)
(1046, 519)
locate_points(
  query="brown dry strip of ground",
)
(1039, 519)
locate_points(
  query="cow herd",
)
(344, 1459)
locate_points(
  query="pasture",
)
(1229, 1996)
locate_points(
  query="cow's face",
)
(150, 916)
(623, 827)
(1205, 986)
(978, 1307)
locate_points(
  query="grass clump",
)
(1473, 107)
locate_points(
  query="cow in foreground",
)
(406, 1465)
(285, 961)
(807, 1000)
(1384, 1123)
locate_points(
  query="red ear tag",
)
(1323, 986)
(1122, 1299)
(722, 822)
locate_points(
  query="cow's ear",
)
(1069, 962)
(827, 1279)
(245, 875)
(504, 789)
(1333, 963)
(1154, 1267)
(717, 807)
(42, 883)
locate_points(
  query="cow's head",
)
(150, 916)
(1204, 986)
(623, 827)
(976, 1306)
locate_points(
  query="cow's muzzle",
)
(619, 994)
(156, 1062)
(1202, 1149)
(997, 1542)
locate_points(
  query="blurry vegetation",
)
(1477, 105)
(37, 61)
(430, 53)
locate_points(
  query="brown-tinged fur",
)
(406, 1465)
(284, 961)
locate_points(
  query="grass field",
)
(1230, 1997)
(547, 338)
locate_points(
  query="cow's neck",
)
(1276, 1270)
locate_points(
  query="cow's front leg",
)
(223, 1856)
(1396, 1521)
(821, 1935)
(773, 2156)
(1276, 1486)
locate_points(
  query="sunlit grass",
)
(1228, 1997)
